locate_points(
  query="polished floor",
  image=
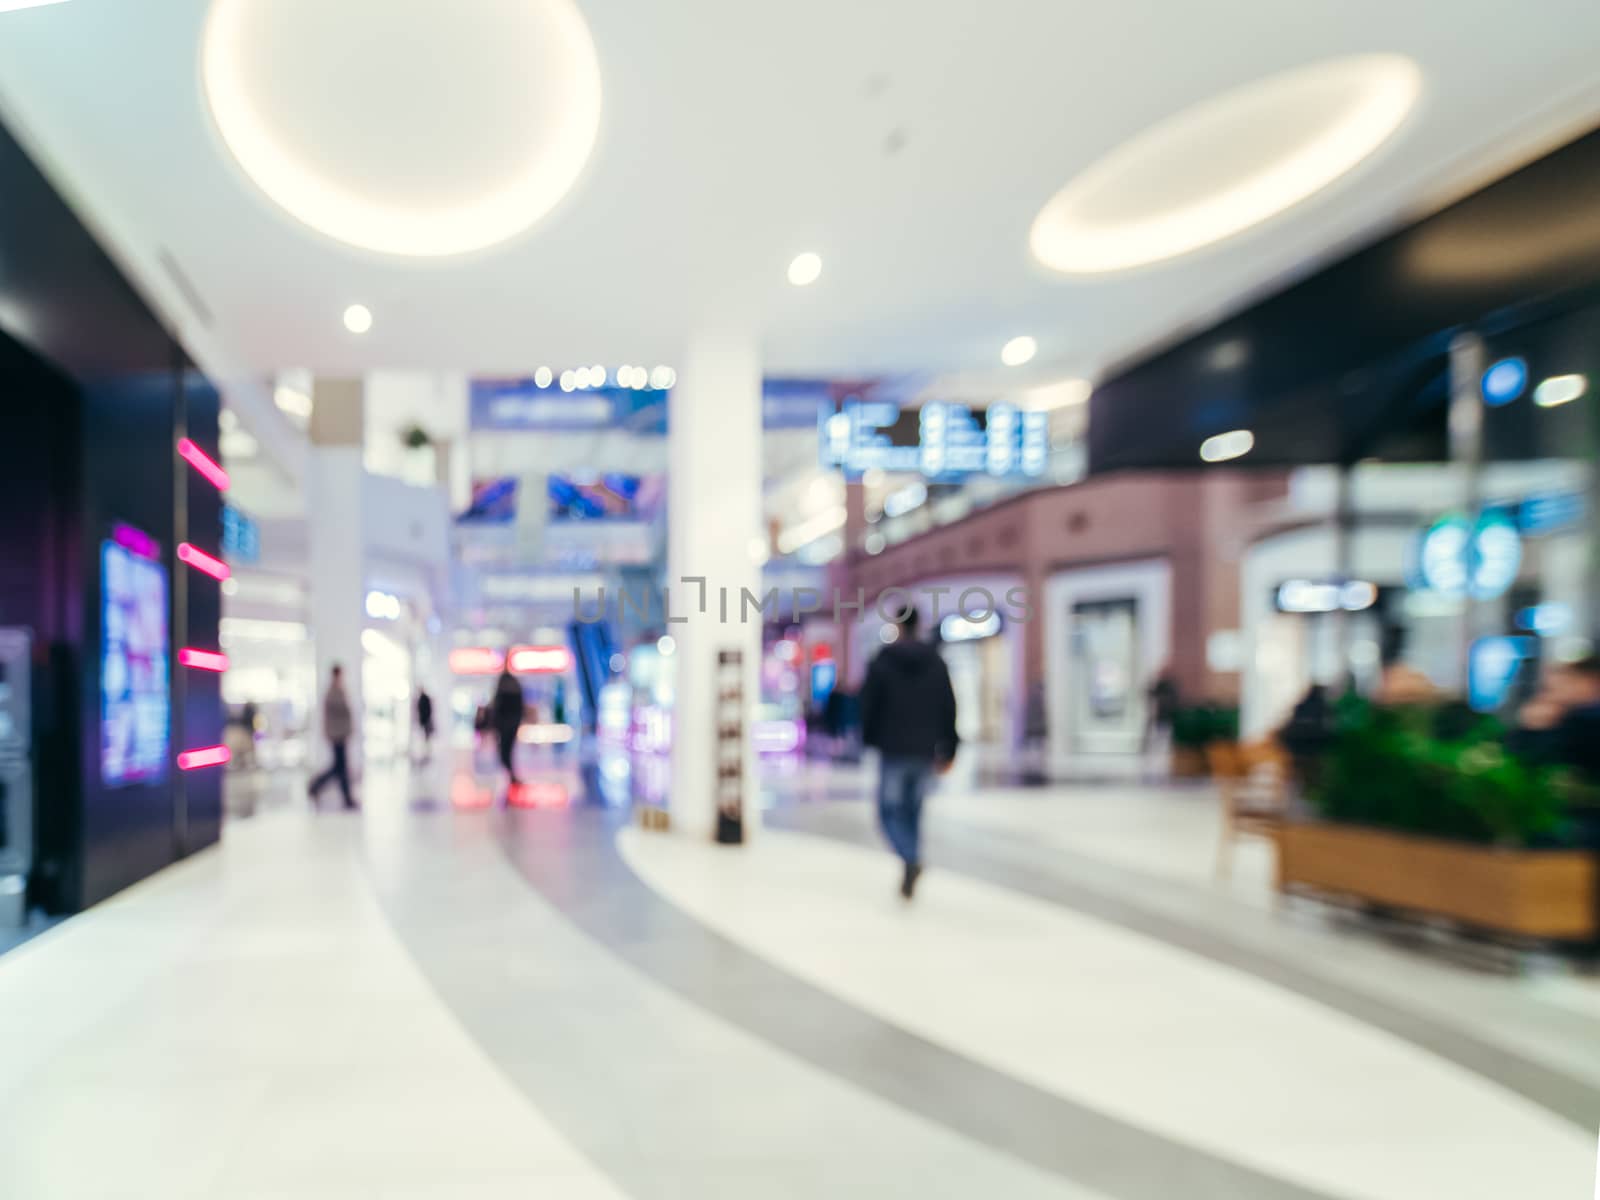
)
(435, 998)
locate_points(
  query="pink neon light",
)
(201, 561)
(540, 660)
(208, 756)
(475, 660)
(202, 462)
(202, 660)
(135, 540)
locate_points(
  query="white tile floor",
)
(383, 1007)
(1128, 1026)
(246, 1026)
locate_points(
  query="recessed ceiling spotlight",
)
(1019, 350)
(358, 318)
(597, 377)
(806, 269)
(580, 378)
(542, 377)
(1236, 443)
(520, 122)
(663, 378)
(1226, 164)
(569, 380)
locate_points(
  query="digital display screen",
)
(135, 698)
(940, 440)
(608, 497)
(494, 502)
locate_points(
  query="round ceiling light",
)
(805, 270)
(358, 318)
(1225, 165)
(1018, 350)
(408, 129)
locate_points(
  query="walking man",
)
(908, 714)
(337, 726)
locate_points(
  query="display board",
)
(941, 441)
(135, 692)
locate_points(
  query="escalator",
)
(593, 646)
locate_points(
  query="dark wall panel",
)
(128, 831)
(200, 822)
(94, 393)
(1320, 368)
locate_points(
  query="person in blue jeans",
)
(908, 714)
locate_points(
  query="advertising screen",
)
(135, 701)
(494, 502)
(605, 497)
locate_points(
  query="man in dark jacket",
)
(908, 714)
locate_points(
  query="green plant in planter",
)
(1197, 725)
(1390, 768)
(415, 438)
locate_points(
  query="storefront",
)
(110, 568)
(1108, 635)
(1405, 592)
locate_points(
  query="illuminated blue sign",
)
(941, 440)
(1547, 620)
(1493, 666)
(1455, 557)
(1547, 512)
(1504, 382)
(241, 538)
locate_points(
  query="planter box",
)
(1189, 762)
(1529, 893)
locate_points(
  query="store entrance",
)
(1107, 708)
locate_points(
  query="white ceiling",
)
(736, 133)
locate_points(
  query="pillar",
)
(1466, 453)
(334, 477)
(714, 511)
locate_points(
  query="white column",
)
(335, 475)
(714, 529)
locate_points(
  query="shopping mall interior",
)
(628, 601)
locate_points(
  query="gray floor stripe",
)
(993, 858)
(572, 860)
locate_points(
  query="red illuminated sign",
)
(475, 660)
(540, 660)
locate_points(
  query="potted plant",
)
(1423, 809)
(1196, 726)
(422, 464)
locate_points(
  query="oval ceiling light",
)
(1018, 350)
(358, 318)
(1236, 443)
(806, 269)
(1559, 390)
(409, 129)
(1225, 165)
